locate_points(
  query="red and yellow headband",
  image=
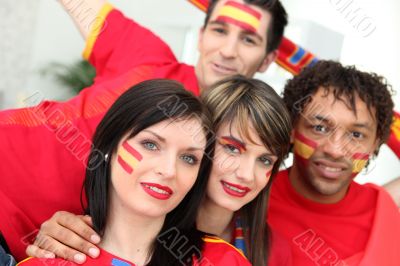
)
(240, 15)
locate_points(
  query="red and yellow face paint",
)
(360, 160)
(240, 15)
(303, 147)
(128, 157)
(230, 141)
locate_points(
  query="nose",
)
(167, 166)
(245, 170)
(335, 145)
(229, 48)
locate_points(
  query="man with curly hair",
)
(341, 116)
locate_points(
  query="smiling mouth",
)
(234, 190)
(223, 69)
(157, 189)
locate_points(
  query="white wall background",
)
(360, 32)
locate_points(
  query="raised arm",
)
(84, 13)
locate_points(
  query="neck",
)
(215, 219)
(130, 236)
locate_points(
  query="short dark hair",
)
(142, 106)
(342, 81)
(279, 20)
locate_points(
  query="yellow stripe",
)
(358, 165)
(95, 30)
(128, 158)
(21, 262)
(240, 15)
(303, 149)
(211, 239)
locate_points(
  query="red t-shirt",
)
(44, 148)
(215, 252)
(322, 234)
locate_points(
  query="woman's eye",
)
(266, 161)
(190, 159)
(231, 148)
(149, 145)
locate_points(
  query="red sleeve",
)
(120, 44)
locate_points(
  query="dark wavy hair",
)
(279, 20)
(142, 106)
(346, 83)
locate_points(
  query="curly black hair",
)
(345, 82)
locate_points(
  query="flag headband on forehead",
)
(239, 15)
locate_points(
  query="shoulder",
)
(44, 262)
(219, 252)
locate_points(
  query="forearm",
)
(84, 13)
(393, 188)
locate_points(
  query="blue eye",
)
(190, 159)
(149, 145)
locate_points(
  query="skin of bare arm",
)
(84, 13)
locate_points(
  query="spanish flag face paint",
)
(240, 15)
(268, 174)
(303, 147)
(230, 141)
(359, 162)
(128, 157)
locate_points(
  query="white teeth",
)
(157, 190)
(234, 188)
(331, 169)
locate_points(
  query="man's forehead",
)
(324, 104)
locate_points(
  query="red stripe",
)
(306, 58)
(268, 173)
(240, 24)
(244, 8)
(360, 156)
(124, 165)
(234, 143)
(305, 140)
(132, 151)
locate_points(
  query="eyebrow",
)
(359, 125)
(235, 141)
(222, 23)
(163, 140)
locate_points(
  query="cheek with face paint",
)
(268, 174)
(240, 15)
(128, 157)
(303, 147)
(359, 162)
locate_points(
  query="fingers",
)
(35, 251)
(44, 243)
(80, 225)
(68, 236)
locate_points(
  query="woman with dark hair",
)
(252, 133)
(141, 184)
